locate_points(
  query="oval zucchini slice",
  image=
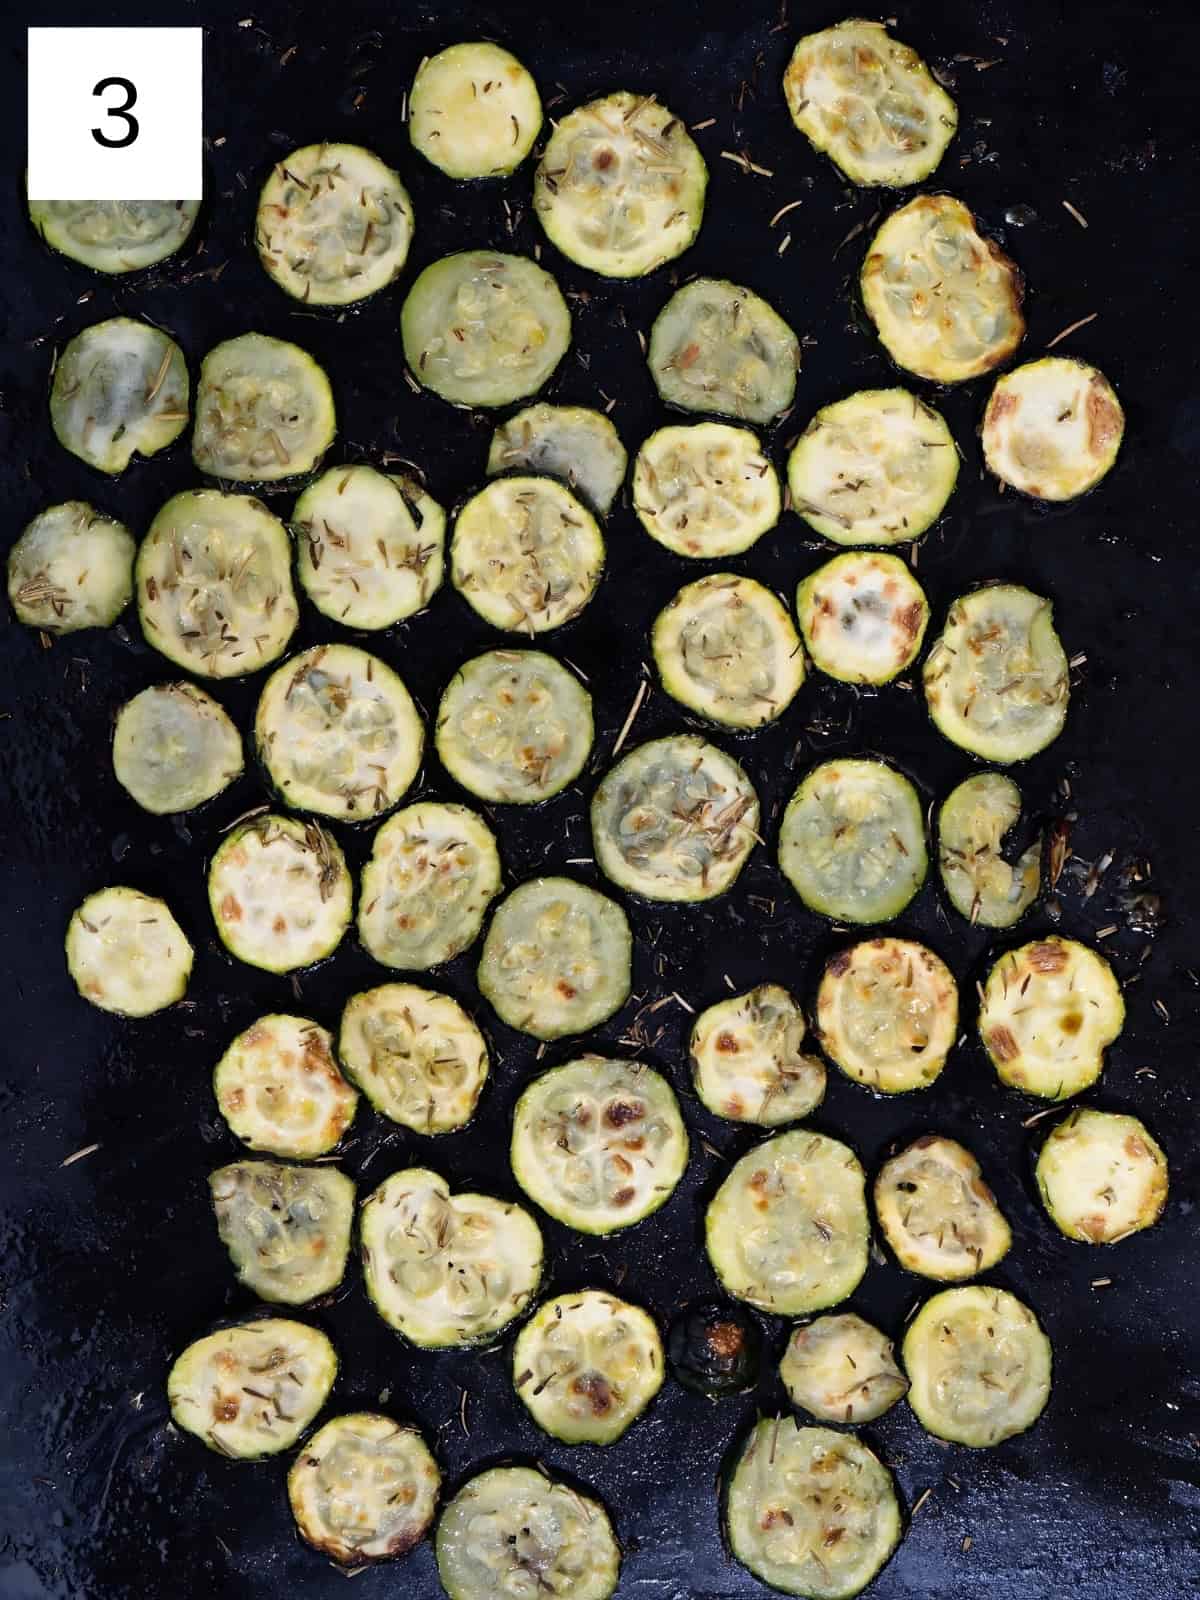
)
(280, 893)
(747, 1064)
(127, 953)
(842, 1369)
(120, 389)
(1102, 1176)
(447, 1269)
(725, 647)
(71, 568)
(415, 1054)
(364, 1488)
(887, 1014)
(716, 346)
(587, 1365)
(972, 824)
(114, 235)
(279, 1088)
(863, 616)
(474, 111)
(570, 442)
(945, 300)
(174, 748)
(978, 1365)
(936, 1212)
(715, 1348)
(787, 1231)
(1052, 428)
(287, 1229)
(264, 411)
(705, 490)
(1048, 1012)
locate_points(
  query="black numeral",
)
(122, 111)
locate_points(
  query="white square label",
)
(115, 113)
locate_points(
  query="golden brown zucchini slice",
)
(127, 953)
(415, 1054)
(1102, 1176)
(587, 1365)
(841, 1369)
(863, 616)
(280, 893)
(364, 1488)
(279, 1088)
(747, 1063)
(1052, 428)
(887, 1014)
(936, 1212)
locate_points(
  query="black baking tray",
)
(112, 1263)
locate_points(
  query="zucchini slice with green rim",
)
(705, 489)
(725, 647)
(574, 443)
(474, 111)
(114, 235)
(120, 389)
(936, 1212)
(1052, 428)
(71, 568)
(1102, 1176)
(978, 1366)
(787, 1231)
(715, 1348)
(127, 953)
(887, 1014)
(863, 616)
(514, 726)
(251, 1390)
(716, 346)
(174, 748)
(841, 1369)
(279, 1088)
(945, 300)
(587, 1365)
(264, 411)
(280, 893)
(364, 1488)
(447, 1270)
(1049, 1010)
(415, 1054)
(620, 188)
(287, 1229)
(747, 1064)
(972, 824)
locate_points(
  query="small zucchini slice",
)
(852, 841)
(978, 1366)
(945, 300)
(279, 1088)
(675, 819)
(997, 681)
(715, 1348)
(599, 1144)
(747, 1063)
(620, 188)
(474, 111)
(514, 726)
(71, 568)
(1052, 428)
(869, 103)
(842, 1369)
(716, 346)
(1048, 1012)
(415, 1054)
(1102, 1176)
(364, 1488)
(787, 1231)
(972, 824)
(334, 224)
(557, 958)
(127, 953)
(174, 748)
(863, 616)
(114, 235)
(280, 893)
(574, 443)
(287, 1229)
(251, 1390)
(887, 1014)
(587, 1365)
(936, 1212)
(810, 1511)
(120, 389)
(705, 490)
(264, 411)
(725, 648)
(447, 1270)
(481, 328)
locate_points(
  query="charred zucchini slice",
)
(842, 1369)
(264, 411)
(474, 111)
(587, 1365)
(1048, 1012)
(1102, 1176)
(863, 616)
(725, 647)
(887, 1014)
(280, 893)
(570, 442)
(127, 953)
(447, 1269)
(1052, 428)
(716, 346)
(978, 1366)
(120, 389)
(972, 825)
(71, 568)
(936, 1212)
(364, 1488)
(747, 1063)
(279, 1088)
(114, 235)
(715, 1348)
(287, 1229)
(415, 1054)
(945, 300)
(787, 1231)
(705, 490)
(174, 748)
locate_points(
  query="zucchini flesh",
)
(1052, 428)
(841, 1369)
(279, 1088)
(364, 1488)
(936, 1212)
(570, 442)
(287, 1229)
(887, 1014)
(1049, 1011)
(587, 1365)
(280, 893)
(127, 953)
(717, 346)
(972, 824)
(264, 411)
(114, 235)
(120, 388)
(1102, 1176)
(71, 568)
(174, 748)
(474, 111)
(747, 1064)
(705, 489)
(415, 1054)
(863, 616)
(725, 647)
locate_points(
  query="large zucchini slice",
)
(725, 647)
(1052, 428)
(842, 1369)
(852, 841)
(280, 893)
(1048, 1012)
(978, 1365)
(174, 748)
(716, 346)
(863, 616)
(114, 235)
(587, 1365)
(287, 1229)
(715, 1348)
(620, 187)
(747, 1063)
(474, 111)
(936, 1212)
(705, 489)
(1102, 1176)
(972, 824)
(787, 1231)
(364, 1488)
(945, 300)
(599, 1144)
(887, 1014)
(71, 568)
(279, 1088)
(447, 1269)
(120, 389)
(127, 953)
(570, 442)
(415, 1054)
(264, 411)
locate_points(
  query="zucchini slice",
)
(264, 411)
(705, 490)
(787, 1231)
(587, 1365)
(214, 584)
(127, 953)
(675, 819)
(725, 647)
(978, 1366)
(557, 958)
(869, 103)
(715, 1348)
(481, 328)
(1102, 1176)
(887, 1014)
(574, 443)
(364, 1488)
(1048, 1012)
(279, 1088)
(287, 1229)
(280, 893)
(514, 726)
(747, 1063)
(972, 824)
(334, 224)
(174, 748)
(114, 235)
(511, 1531)
(447, 1269)
(945, 300)
(842, 1369)
(120, 389)
(620, 188)
(71, 568)
(863, 616)
(852, 841)
(716, 346)
(415, 1054)
(810, 1511)
(936, 1212)
(599, 1144)
(526, 555)
(338, 732)
(1052, 428)
(251, 1390)
(474, 111)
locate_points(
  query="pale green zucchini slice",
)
(114, 235)
(1052, 428)
(264, 411)
(747, 1064)
(120, 389)
(415, 1054)
(705, 489)
(174, 748)
(1049, 1010)
(887, 1014)
(716, 346)
(287, 1229)
(1102, 1176)
(570, 442)
(863, 616)
(71, 568)
(474, 111)
(127, 953)
(972, 824)
(279, 1088)
(280, 893)
(936, 1212)
(364, 1488)
(587, 1365)
(725, 647)
(839, 1368)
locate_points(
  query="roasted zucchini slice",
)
(264, 411)
(715, 1348)
(978, 1366)
(280, 893)
(71, 568)
(842, 1369)
(705, 490)
(887, 1014)
(936, 1212)
(570, 442)
(599, 1144)
(945, 300)
(364, 1488)
(1048, 1012)
(120, 389)
(747, 1063)
(415, 1054)
(972, 824)
(447, 1269)
(716, 346)
(251, 1390)
(1052, 428)
(587, 1365)
(474, 111)
(127, 953)
(1102, 1176)
(620, 187)
(279, 1088)
(787, 1231)
(725, 647)
(863, 616)
(287, 1229)
(114, 235)
(174, 748)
